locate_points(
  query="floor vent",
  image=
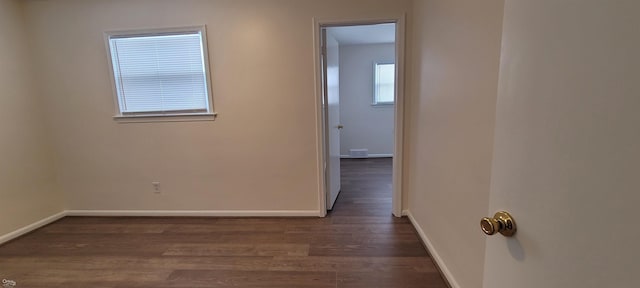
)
(359, 153)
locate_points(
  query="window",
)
(385, 75)
(160, 72)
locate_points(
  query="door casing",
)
(322, 154)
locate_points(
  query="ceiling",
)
(364, 34)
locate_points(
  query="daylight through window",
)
(160, 73)
(384, 83)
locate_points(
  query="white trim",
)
(399, 116)
(369, 156)
(156, 213)
(165, 118)
(320, 146)
(33, 226)
(400, 21)
(405, 213)
(432, 250)
(195, 213)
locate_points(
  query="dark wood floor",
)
(359, 244)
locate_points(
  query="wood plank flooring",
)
(359, 244)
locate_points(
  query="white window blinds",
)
(160, 73)
(385, 75)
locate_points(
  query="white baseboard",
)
(33, 226)
(370, 156)
(405, 213)
(195, 213)
(432, 250)
(156, 213)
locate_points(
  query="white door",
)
(567, 146)
(333, 127)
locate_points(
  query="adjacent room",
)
(361, 74)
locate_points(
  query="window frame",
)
(375, 101)
(176, 115)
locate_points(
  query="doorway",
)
(360, 95)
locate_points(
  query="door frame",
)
(321, 129)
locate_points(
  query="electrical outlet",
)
(156, 187)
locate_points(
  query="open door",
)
(567, 146)
(331, 78)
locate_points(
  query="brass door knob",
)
(501, 222)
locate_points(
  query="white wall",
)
(365, 125)
(261, 153)
(450, 128)
(28, 190)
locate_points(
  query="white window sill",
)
(388, 104)
(148, 118)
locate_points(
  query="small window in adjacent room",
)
(160, 73)
(385, 74)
